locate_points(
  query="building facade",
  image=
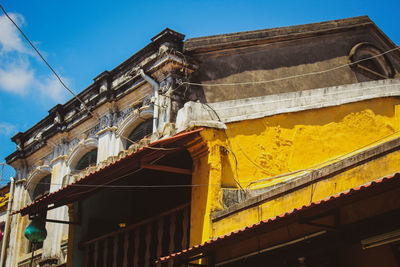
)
(186, 142)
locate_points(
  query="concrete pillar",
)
(17, 239)
(107, 143)
(118, 144)
(52, 244)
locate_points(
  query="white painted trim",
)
(132, 121)
(35, 176)
(258, 107)
(80, 150)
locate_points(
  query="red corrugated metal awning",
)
(111, 173)
(353, 194)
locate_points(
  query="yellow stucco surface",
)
(344, 181)
(287, 143)
(208, 196)
(4, 201)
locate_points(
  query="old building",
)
(188, 151)
(5, 210)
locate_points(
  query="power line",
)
(199, 84)
(59, 78)
(227, 131)
(131, 186)
(293, 76)
(44, 60)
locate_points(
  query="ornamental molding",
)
(35, 176)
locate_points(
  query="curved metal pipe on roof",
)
(156, 86)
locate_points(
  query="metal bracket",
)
(59, 221)
(33, 216)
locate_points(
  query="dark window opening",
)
(369, 64)
(142, 130)
(89, 159)
(42, 188)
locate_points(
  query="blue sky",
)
(80, 39)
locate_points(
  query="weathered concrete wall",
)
(208, 195)
(281, 59)
(346, 180)
(289, 142)
(284, 143)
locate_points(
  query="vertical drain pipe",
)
(7, 226)
(156, 86)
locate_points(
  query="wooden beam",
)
(166, 169)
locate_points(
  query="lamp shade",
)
(35, 231)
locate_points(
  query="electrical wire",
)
(315, 167)
(226, 131)
(59, 78)
(44, 60)
(293, 76)
(236, 179)
(205, 85)
(131, 186)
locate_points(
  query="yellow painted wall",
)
(295, 141)
(206, 197)
(344, 181)
(4, 201)
(285, 143)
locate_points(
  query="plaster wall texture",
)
(206, 171)
(320, 190)
(67, 149)
(198, 114)
(271, 128)
(282, 59)
(284, 143)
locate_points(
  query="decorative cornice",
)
(62, 157)
(63, 118)
(107, 129)
(194, 113)
(21, 181)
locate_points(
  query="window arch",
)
(42, 187)
(89, 159)
(368, 65)
(142, 130)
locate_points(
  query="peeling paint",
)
(285, 143)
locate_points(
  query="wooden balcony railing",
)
(139, 245)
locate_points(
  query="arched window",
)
(142, 130)
(368, 64)
(42, 188)
(89, 159)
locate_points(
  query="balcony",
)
(142, 243)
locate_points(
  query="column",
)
(107, 144)
(55, 231)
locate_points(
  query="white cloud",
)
(16, 78)
(52, 88)
(17, 74)
(7, 129)
(10, 39)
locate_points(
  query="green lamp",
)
(36, 232)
